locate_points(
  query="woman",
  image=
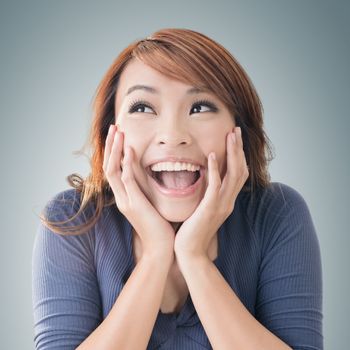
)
(177, 239)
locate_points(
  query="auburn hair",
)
(192, 58)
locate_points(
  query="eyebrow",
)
(153, 90)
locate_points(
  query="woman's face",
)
(169, 122)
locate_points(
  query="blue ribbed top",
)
(268, 252)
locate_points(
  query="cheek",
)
(138, 148)
(134, 137)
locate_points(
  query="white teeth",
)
(177, 166)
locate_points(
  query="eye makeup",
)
(134, 105)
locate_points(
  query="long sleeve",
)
(289, 295)
(268, 253)
(66, 299)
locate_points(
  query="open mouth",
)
(176, 180)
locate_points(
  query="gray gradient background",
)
(53, 55)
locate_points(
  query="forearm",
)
(131, 320)
(228, 324)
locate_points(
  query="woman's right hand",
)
(156, 234)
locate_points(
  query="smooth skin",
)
(196, 233)
(156, 234)
(169, 122)
(144, 289)
(156, 219)
(130, 322)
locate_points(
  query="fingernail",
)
(110, 129)
(213, 155)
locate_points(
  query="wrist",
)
(162, 255)
(190, 258)
(188, 262)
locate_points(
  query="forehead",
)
(138, 73)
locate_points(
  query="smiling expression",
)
(167, 118)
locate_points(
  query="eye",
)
(206, 103)
(141, 104)
(136, 105)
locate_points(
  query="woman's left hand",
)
(196, 233)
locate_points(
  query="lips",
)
(176, 192)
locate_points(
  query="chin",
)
(176, 213)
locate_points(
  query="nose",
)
(173, 133)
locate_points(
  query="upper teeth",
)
(177, 166)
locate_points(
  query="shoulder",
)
(289, 267)
(74, 220)
(64, 202)
(276, 198)
(65, 208)
(285, 194)
(277, 212)
(61, 211)
(60, 219)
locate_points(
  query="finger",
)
(113, 168)
(128, 178)
(108, 146)
(238, 133)
(244, 164)
(116, 153)
(231, 164)
(236, 167)
(214, 180)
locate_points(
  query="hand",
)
(196, 233)
(156, 234)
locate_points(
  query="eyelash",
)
(135, 104)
